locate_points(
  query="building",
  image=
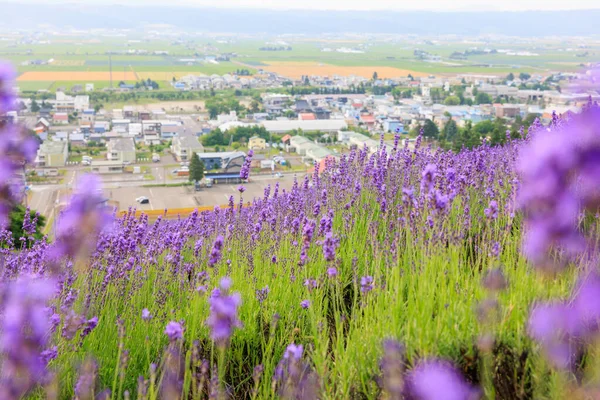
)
(60, 118)
(42, 126)
(121, 125)
(101, 126)
(52, 154)
(223, 163)
(322, 125)
(184, 147)
(257, 143)
(309, 149)
(507, 110)
(107, 167)
(121, 149)
(306, 116)
(356, 140)
(390, 125)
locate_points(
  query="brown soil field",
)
(74, 76)
(295, 70)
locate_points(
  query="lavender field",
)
(405, 274)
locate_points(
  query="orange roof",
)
(367, 118)
(306, 117)
(286, 138)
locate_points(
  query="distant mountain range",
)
(522, 23)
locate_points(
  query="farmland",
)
(88, 58)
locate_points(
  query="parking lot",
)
(185, 197)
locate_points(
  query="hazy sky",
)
(431, 5)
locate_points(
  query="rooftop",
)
(316, 125)
(122, 144)
(49, 147)
(188, 141)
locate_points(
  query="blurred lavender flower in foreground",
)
(293, 377)
(83, 218)
(223, 313)
(305, 304)
(16, 147)
(563, 328)
(392, 369)
(560, 173)
(435, 380)
(25, 328)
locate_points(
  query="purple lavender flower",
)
(146, 316)
(366, 284)
(492, 211)
(49, 354)
(293, 377)
(245, 171)
(261, 294)
(329, 246)
(174, 331)
(86, 383)
(332, 272)
(305, 304)
(83, 218)
(293, 351)
(24, 331)
(215, 253)
(7, 94)
(434, 380)
(428, 177)
(89, 326)
(392, 368)
(223, 313)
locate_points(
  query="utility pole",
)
(110, 69)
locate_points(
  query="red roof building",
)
(306, 117)
(286, 139)
(368, 119)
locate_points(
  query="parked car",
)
(126, 162)
(155, 157)
(143, 200)
(278, 175)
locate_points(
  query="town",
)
(139, 130)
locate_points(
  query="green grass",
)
(35, 85)
(429, 303)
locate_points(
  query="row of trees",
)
(471, 135)
(240, 134)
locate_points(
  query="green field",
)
(77, 54)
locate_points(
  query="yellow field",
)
(295, 70)
(74, 76)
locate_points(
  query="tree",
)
(375, 76)
(524, 76)
(510, 77)
(35, 107)
(450, 130)
(254, 106)
(483, 128)
(430, 129)
(196, 169)
(483, 98)
(452, 101)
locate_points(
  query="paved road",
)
(44, 197)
